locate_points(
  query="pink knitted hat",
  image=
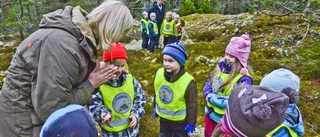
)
(240, 48)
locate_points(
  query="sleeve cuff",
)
(89, 86)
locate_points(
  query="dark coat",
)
(160, 13)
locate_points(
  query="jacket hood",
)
(61, 19)
(294, 119)
(70, 19)
(155, 4)
(73, 20)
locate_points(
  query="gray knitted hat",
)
(254, 111)
(144, 13)
(152, 14)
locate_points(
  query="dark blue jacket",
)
(152, 34)
(160, 13)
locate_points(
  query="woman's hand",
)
(100, 76)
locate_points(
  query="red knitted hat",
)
(116, 51)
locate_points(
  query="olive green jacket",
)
(48, 71)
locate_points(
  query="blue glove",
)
(155, 113)
(190, 128)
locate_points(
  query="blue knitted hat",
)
(71, 121)
(177, 51)
(280, 79)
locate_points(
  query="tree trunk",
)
(29, 14)
(19, 18)
(37, 11)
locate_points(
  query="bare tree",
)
(19, 19)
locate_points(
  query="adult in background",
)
(56, 65)
(160, 10)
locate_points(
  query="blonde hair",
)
(169, 14)
(236, 67)
(110, 21)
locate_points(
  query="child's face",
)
(169, 16)
(145, 16)
(153, 18)
(170, 64)
(121, 64)
(176, 19)
(230, 59)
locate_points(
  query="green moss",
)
(207, 35)
(201, 18)
(6, 54)
(309, 106)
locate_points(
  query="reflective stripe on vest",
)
(170, 101)
(168, 27)
(291, 132)
(155, 27)
(115, 123)
(120, 101)
(218, 80)
(146, 22)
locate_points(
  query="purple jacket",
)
(216, 99)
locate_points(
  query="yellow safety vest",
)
(155, 27)
(146, 22)
(219, 79)
(291, 132)
(170, 101)
(168, 28)
(120, 101)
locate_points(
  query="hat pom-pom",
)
(244, 71)
(246, 36)
(292, 94)
(262, 111)
(120, 44)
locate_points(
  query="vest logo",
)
(165, 94)
(167, 26)
(121, 103)
(216, 84)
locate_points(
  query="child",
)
(278, 80)
(152, 32)
(254, 111)
(119, 104)
(71, 121)
(179, 28)
(176, 94)
(144, 26)
(168, 29)
(232, 70)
